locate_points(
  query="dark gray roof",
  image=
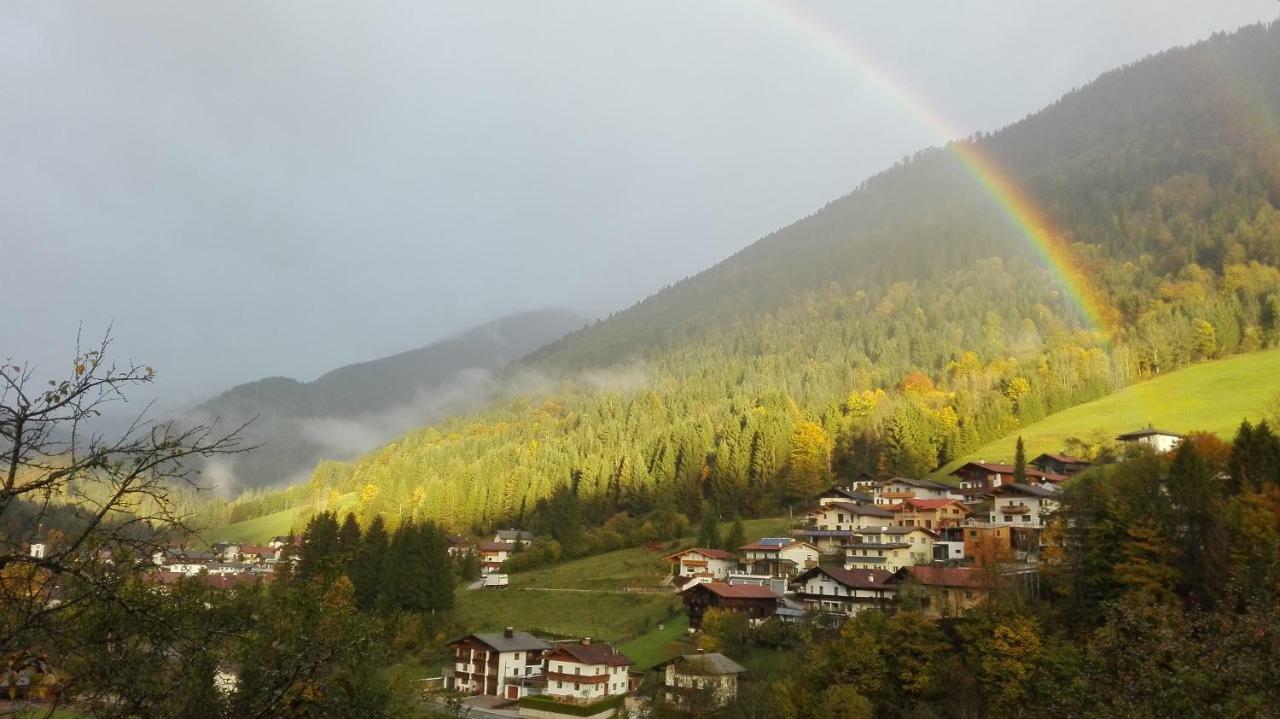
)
(921, 483)
(1026, 489)
(1146, 433)
(517, 642)
(863, 510)
(713, 663)
(510, 535)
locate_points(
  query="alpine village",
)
(806, 483)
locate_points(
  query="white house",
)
(778, 556)
(37, 550)
(889, 548)
(893, 491)
(1025, 505)
(832, 589)
(583, 672)
(831, 525)
(493, 554)
(701, 562)
(709, 680)
(1158, 439)
(844, 494)
(497, 664)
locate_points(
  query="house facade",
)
(1023, 505)
(889, 548)
(705, 680)
(843, 591)
(493, 554)
(1159, 440)
(700, 562)
(892, 491)
(758, 603)
(832, 525)
(1060, 464)
(845, 495)
(930, 513)
(582, 672)
(943, 591)
(496, 664)
(777, 556)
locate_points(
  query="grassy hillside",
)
(1214, 396)
(259, 530)
(586, 597)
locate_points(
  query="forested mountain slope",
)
(899, 327)
(301, 423)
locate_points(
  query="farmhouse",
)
(889, 548)
(930, 513)
(777, 556)
(758, 603)
(704, 680)
(493, 554)
(1023, 504)
(700, 562)
(843, 494)
(978, 479)
(831, 525)
(1157, 439)
(943, 591)
(583, 672)
(832, 589)
(899, 488)
(496, 664)
(1060, 464)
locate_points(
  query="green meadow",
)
(1213, 397)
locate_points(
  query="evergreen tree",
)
(367, 569)
(348, 538)
(319, 554)
(708, 529)
(737, 535)
(1020, 462)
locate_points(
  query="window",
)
(577, 670)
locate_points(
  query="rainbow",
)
(996, 182)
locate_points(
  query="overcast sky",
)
(258, 188)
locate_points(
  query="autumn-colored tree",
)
(809, 463)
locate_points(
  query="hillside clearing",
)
(1214, 397)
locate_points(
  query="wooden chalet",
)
(758, 603)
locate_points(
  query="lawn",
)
(596, 604)
(664, 642)
(1214, 397)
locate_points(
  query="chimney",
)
(508, 632)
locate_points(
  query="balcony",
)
(1015, 509)
(898, 495)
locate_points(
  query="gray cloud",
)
(253, 188)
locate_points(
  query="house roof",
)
(511, 535)
(1029, 490)
(454, 539)
(703, 664)
(920, 483)
(499, 641)
(605, 654)
(849, 493)
(1149, 431)
(998, 468)
(858, 509)
(1065, 459)
(927, 504)
(736, 591)
(708, 553)
(941, 576)
(853, 578)
(497, 546)
(907, 530)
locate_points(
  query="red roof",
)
(1065, 459)
(708, 553)
(855, 578)
(946, 576)
(592, 654)
(736, 591)
(996, 468)
(497, 546)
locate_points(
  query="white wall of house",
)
(566, 688)
(720, 688)
(1037, 509)
(695, 564)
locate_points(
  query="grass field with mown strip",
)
(1214, 397)
(596, 605)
